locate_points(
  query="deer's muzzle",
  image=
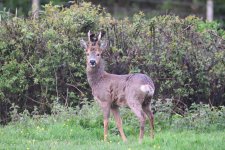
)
(92, 63)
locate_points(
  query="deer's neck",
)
(94, 75)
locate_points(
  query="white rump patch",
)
(147, 89)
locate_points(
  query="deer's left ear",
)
(103, 45)
(83, 44)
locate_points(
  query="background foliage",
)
(129, 7)
(41, 61)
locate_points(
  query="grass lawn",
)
(68, 135)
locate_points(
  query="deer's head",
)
(93, 48)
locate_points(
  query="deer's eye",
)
(98, 54)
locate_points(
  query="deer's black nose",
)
(92, 62)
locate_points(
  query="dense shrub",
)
(41, 60)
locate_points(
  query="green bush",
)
(200, 118)
(41, 61)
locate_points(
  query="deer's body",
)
(120, 90)
(112, 91)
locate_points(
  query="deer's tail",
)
(148, 89)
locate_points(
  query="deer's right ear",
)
(83, 44)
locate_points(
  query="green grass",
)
(67, 135)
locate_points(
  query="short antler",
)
(89, 36)
(99, 36)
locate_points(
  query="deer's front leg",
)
(106, 114)
(115, 111)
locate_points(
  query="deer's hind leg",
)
(136, 107)
(149, 113)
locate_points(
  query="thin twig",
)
(189, 26)
(35, 100)
(29, 64)
(56, 85)
(66, 100)
(75, 88)
(164, 78)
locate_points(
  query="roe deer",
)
(112, 91)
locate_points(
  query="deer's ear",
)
(103, 45)
(83, 44)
